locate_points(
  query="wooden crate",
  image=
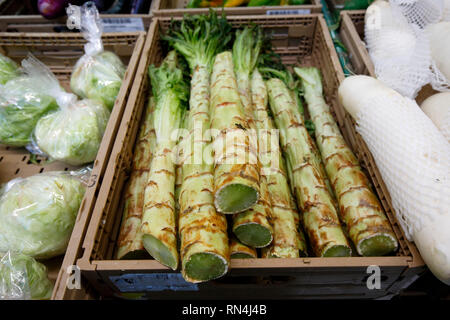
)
(177, 8)
(60, 52)
(303, 38)
(37, 23)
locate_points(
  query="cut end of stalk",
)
(234, 198)
(205, 266)
(159, 251)
(254, 235)
(338, 251)
(377, 245)
(135, 255)
(241, 255)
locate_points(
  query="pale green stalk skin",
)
(237, 249)
(260, 215)
(130, 236)
(159, 223)
(319, 213)
(159, 220)
(359, 207)
(179, 166)
(235, 152)
(286, 242)
(202, 229)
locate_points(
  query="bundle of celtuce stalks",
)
(252, 173)
(360, 210)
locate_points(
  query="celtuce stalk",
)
(130, 236)
(287, 242)
(254, 226)
(292, 85)
(158, 228)
(236, 175)
(203, 231)
(313, 198)
(360, 209)
(239, 250)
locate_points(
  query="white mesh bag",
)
(425, 14)
(419, 12)
(399, 50)
(414, 160)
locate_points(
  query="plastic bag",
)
(98, 74)
(22, 103)
(74, 132)
(38, 213)
(78, 143)
(23, 278)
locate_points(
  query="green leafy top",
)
(199, 38)
(246, 49)
(8, 69)
(168, 77)
(311, 78)
(171, 93)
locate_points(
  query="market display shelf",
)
(60, 52)
(302, 39)
(37, 23)
(177, 8)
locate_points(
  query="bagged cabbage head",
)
(98, 74)
(21, 106)
(23, 278)
(98, 77)
(38, 213)
(72, 134)
(8, 69)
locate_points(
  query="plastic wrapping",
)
(38, 213)
(98, 74)
(8, 69)
(22, 103)
(23, 278)
(74, 132)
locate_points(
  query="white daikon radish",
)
(437, 108)
(399, 50)
(394, 36)
(446, 12)
(414, 160)
(439, 35)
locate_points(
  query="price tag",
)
(287, 12)
(122, 24)
(137, 282)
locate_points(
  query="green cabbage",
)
(98, 77)
(22, 277)
(8, 69)
(73, 134)
(20, 109)
(37, 214)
